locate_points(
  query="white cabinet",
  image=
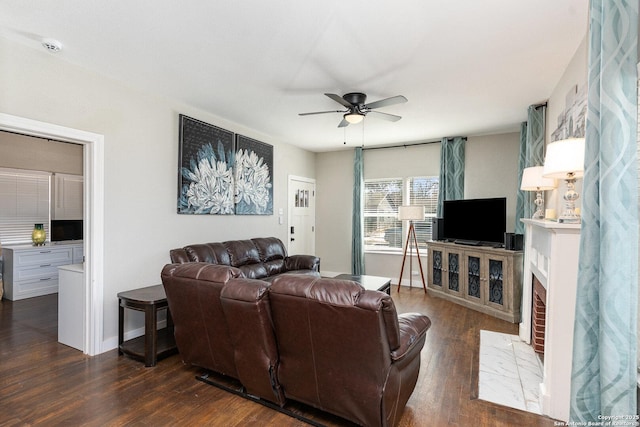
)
(71, 303)
(68, 196)
(31, 271)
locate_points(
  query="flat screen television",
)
(66, 229)
(475, 221)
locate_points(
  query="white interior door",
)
(302, 216)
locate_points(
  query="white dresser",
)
(31, 271)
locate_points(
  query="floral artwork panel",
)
(253, 177)
(205, 173)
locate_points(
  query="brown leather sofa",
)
(327, 343)
(237, 342)
(261, 258)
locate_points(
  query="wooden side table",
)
(154, 344)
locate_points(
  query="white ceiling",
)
(467, 67)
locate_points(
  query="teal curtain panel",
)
(521, 196)
(603, 377)
(451, 171)
(357, 226)
(531, 154)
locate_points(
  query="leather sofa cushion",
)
(213, 253)
(242, 252)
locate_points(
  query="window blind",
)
(382, 230)
(24, 201)
(382, 197)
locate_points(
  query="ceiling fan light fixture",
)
(354, 118)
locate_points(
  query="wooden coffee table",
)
(372, 283)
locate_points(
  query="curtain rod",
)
(401, 145)
(409, 145)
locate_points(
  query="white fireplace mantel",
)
(551, 254)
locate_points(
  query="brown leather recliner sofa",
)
(324, 342)
(261, 258)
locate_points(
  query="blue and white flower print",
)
(252, 184)
(210, 188)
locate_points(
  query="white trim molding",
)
(93, 213)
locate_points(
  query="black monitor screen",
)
(482, 220)
(66, 229)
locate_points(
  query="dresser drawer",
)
(43, 257)
(33, 288)
(40, 272)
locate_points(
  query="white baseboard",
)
(111, 343)
(415, 283)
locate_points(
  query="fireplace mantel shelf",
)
(551, 255)
(545, 223)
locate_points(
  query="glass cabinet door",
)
(454, 272)
(474, 284)
(495, 282)
(436, 267)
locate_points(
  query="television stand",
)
(482, 278)
(468, 242)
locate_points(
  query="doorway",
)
(302, 216)
(93, 171)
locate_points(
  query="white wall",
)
(141, 158)
(575, 74)
(334, 207)
(490, 171)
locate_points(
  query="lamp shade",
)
(532, 180)
(412, 213)
(353, 118)
(564, 157)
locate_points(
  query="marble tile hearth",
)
(510, 372)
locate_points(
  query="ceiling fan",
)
(357, 109)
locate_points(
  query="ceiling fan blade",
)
(339, 100)
(344, 123)
(399, 99)
(321, 112)
(384, 116)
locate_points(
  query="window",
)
(24, 201)
(382, 197)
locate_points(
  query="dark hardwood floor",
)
(46, 383)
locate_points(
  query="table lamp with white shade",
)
(565, 160)
(532, 180)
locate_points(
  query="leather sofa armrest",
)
(179, 256)
(302, 262)
(201, 271)
(413, 328)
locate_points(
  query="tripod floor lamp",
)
(411, 213)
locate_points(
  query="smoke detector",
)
(52, 45)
